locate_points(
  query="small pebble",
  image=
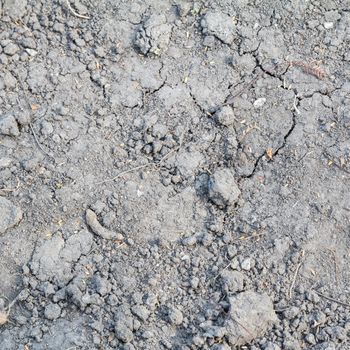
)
(246, 264)
(141, 312)
(328, 25)
(175, 316)
(259, 102)
(10, 49)
(52, 311)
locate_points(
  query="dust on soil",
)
(175, 174)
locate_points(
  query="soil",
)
(174, 174)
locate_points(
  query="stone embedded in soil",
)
(52, 311)
(175, 316)
(98, 229)
(328, 25)
(246, 264)
(258, 103)
(153, 35)
(291, 312)
(141, 312)
(9, 126)
(223, 190)
(232, 281)
(220, 25)
(124, 324)
(3, 317)
(225, 116)
(101, 285)
(28, 43)
(10, 49)
(14, 8)
(10, 215)
(251, 315)
(9, 81)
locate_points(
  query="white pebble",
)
(246, 264)
(259, 102)
(328, 25)
(32, 52)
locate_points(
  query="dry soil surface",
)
(174, 174)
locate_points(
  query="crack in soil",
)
(284, 143)
(286, 136)
(196, 102)
(289, 132)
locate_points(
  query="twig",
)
(302, 253)
(37, 141)
(120, 245)
(9, 306)
(124, 172)
(8, 189)
(75, 13)
(244, 238)
(305, 155)
(4, 314)
(245, 328)
(331, 299)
